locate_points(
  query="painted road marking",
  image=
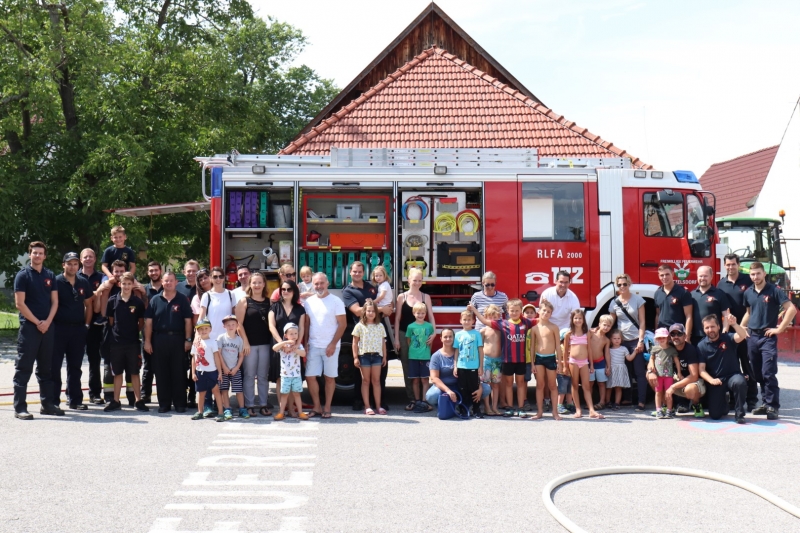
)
(288, 426)
(288, 524)
(200, 479)
(255, 461)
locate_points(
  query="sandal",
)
(599, 406)
(302, 416)
(279, 417)
(369, 411)
(326, 414)
(381, 411)
(312, 414)
(252, 411)
(411, 406)
(265, 412)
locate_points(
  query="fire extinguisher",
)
(230, 274)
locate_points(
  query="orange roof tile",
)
(438, 101)
(739, 180)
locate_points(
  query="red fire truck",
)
(459, 213)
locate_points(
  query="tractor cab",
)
(755, 239)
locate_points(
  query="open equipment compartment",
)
(439, 231)
(343, 222)
(259, 225)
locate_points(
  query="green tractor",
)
(756, 239)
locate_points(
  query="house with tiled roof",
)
(435, 87)
(737, 182)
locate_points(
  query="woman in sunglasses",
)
(203, 286)
(628, 312)
(287, 309)
(217, 303)
(487, 296)
(252, 312)
(287, 273)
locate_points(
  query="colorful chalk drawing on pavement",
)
(753, 426)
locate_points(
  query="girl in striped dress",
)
(619, 372)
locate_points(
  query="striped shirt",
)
(513, 335)
(481, 301)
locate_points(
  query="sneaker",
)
(421, 407)
(698, 410)
(740, 420)
(527, 406)
(571, 408)
(243, 413)
(197, 416)
(547, 406)
(682, 409)
(112, 406)
(659, 412)
(141, 406)
(53, 410)
(772, 413)
(100, 321)
(760, 410)
(476, 413)
(78, 407)
(670, 414)
(220, 418)
(227, 414)
(209, 413)
(563, 410)
(97, 400)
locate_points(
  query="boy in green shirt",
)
(419, 355)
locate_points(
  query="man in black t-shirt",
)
(354, 296)
(152, 288)
(673, 302)
(719, 367)
(94, 337)
(708, 300)
(734, 285)
(764, 303)
(691, 386)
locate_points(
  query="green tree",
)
(105, 105)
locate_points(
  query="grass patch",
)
(9, 321)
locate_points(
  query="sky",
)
(679, 84)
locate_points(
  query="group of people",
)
(203, 342)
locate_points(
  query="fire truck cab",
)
(457, 214)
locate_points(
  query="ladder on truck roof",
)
(418, 157)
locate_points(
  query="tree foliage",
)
(104, 105)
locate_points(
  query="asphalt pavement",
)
(95, 471)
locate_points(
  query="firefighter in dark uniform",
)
(188, 288)
(734, 285)
(764, 302)
(94, 336)
(72, 320)
(37, 302)
(152, 288)
(167, 337)
(708, 300)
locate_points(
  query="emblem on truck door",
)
(537, 278)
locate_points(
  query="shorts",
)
(510, 369)
(234, 382)
(580, 363)
(291, 384)
(599, 375)
(206, 381)
(527, 371)
(664, 382)
(125, 358)
(317, 363)
(491, 369)
(370, 359)
(564, 384)
(701, 387)
(547, 361)
(418, 369)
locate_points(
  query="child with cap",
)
(291, 381)
(231, 349)
(663, 360)
(205, 361)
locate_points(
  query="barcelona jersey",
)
(513, 335)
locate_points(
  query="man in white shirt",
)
(327, 324)
(243, 273)
(564, 300)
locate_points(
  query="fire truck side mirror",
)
(700, 249)
(531, 296)
(710, 211)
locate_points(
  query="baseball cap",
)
(69, 256)
(204, 323)
(290, 325)
(677, 327)
(526, 306)
(661, 333)
(229, 317)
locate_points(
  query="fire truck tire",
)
(569, 525)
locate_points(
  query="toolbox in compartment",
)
(358, 240)
(352, 211)
(458, 259)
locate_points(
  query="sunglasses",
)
(217, 277)
(488, 284)
(622, 284)
(676, 334)
(286, 289)
(289, 275)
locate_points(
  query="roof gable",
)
(738, 181)
(433, 27)
(437, 100)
